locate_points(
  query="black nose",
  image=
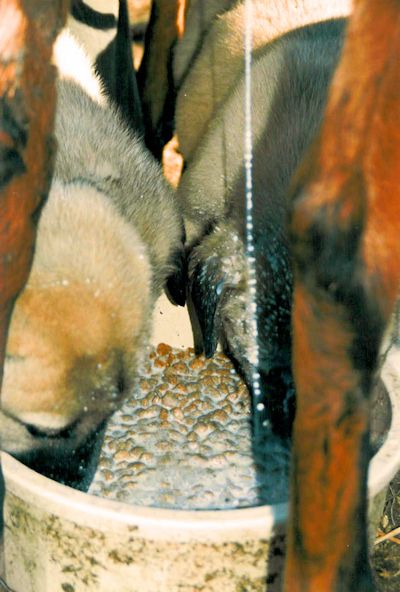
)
(64, 433)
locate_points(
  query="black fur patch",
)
(115, 66)
(97, 20)
(74, 468)
(206, 292)
(157, 133)
(329, 258)
(13, 125)
(177, 282)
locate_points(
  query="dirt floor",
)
(386, 556)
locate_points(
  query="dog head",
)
(78, 330)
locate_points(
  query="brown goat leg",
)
(27, 100)
(345, 231)
(155, 74)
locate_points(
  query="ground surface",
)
(386, 557)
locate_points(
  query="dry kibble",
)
(205, 450)
(213, 392)
(218, 460)
(181, 388)
(104, 463)
(150, 399)
(164, 415)
(183, 438)
(170, 399)
(129, 484)
(230, 454)
(145, 402)
(163, 349)
(227, 407)
(163, 446)
(121, 455)
(147, 458)
(202, 429)
(180, 368)
(204, 406)
(175, 435)
(137, 467)
(197, 363)
(233, 397)
(170, 359)
(147, 369)
(125, 479)
(136, 452)
(146, 413)
(191, 408)
(242, 389)
(225, 373)
(212, 366)
(223, 388)
(207, 381)
(178, 413)
(171, 376)
(219, 415)
(160, 363)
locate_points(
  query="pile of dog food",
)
(183, 440)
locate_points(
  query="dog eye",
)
(65, 432)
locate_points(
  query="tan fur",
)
(198, 20)
(106, 242)
(221, 60)
(82, 321)
(211, 174)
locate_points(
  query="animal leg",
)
(27, 101)
(347, 272)
(155, 73)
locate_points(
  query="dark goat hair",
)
(291, 77)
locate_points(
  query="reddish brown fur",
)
(350, 181)
(27, 86)
(325, 488)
